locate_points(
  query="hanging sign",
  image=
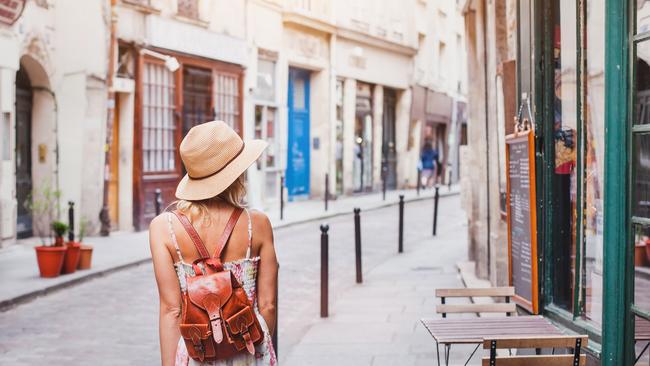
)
(521, 210)
(10, 10)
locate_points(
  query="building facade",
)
(576, 71)
(53, 109)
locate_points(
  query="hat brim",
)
(201, 189)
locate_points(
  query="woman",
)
(215, 158)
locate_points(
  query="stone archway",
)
(35, 140)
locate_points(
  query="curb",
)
(28, 297)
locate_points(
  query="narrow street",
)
(113, 320)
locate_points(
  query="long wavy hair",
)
(234, 196)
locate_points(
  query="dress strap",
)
(250, 234)
(173, 236)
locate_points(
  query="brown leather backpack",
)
(217, 321)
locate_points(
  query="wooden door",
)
(299, 136)
(114, 176)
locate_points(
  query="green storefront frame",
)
(615, 345)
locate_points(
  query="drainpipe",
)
(104, 217)
(487, 138)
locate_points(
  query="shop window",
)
(594, 159)
(158, 124)
(226, 99)
(564, 178)
(188, 8)
(266, 129)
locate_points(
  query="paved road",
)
(113, 320)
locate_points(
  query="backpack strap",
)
(196, 239)
(230, 226)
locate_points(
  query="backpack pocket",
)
(243, 329)
(197, 340)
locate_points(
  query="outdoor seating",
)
(575, 358)
(459, 330)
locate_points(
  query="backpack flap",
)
(210, 293)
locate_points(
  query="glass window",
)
(299, 93)
(271, 151)
(265, 89)
(158, 123)
(226, 99)
(642, 16)
(564, 181)
(594, 126)
(339, 137)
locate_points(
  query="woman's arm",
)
(168, 290)
(267, 276)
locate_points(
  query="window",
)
(339, 136)
(565, 177)
(158, 123)
(188, 8)
(265, 89)
(594, 171)
(226, 99)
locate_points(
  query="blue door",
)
(298, 139)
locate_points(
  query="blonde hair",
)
(233, 195)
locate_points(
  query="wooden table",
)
(450, 331)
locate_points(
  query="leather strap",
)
(196, 239)
(230, 226)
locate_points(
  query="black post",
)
(400, 247)
(282, 197)
(274, 337)
(158, 201)
(327, 189)
(324, 271)
(357, 243)
(70, 221)
(419, 184)
(384, 173)
(435, 210)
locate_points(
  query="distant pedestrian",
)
(428, 161)
(205, 219)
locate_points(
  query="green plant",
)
(83, 228)
(43, 204)
(59, 228)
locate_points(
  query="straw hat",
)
(214, 157)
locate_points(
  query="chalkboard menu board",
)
(522, 233)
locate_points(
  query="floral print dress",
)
(245, 271)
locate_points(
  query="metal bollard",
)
(400, 247)
(274, 337)
(436, 196)
(324, 271)
(419, 183)
(158, 201)
(282, 197)
(357, 243)
(70, 221)
(327, 189)
(383, 188)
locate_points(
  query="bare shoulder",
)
(158, 223)
(158, 231)
(262, 227)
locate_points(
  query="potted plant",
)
(86, 251)
(43, 205)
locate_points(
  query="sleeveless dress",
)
(245, 271)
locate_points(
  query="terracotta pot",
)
(647, 250)
(85, 257)
(71, 257)
(58, 241)
(50, 260)
(640, 255)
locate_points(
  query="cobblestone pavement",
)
(112, 320)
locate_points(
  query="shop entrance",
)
(298, 140)
(24, 99)
(389, 152)
(362, 167)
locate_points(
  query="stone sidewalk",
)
(21, 283)
(378, 322)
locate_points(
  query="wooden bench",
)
(575, 358)
(506, 308)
